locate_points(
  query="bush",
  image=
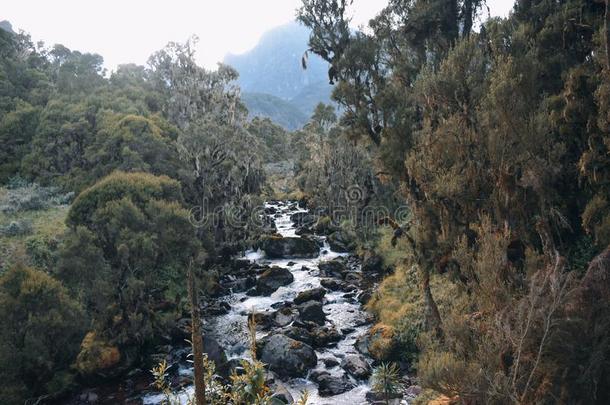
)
(40, 331)
(32, 197)
(129, 243)
(16, 228)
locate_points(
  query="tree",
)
(136, 228)
(41, 329)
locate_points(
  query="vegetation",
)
(471, 155)
(499, 140)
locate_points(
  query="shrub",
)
(31, 197)
(386, 380)
(125, 254)
(16, 228)
(40, 330)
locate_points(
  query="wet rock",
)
(241, 284)
(277, 247)
(264, 320)
(364, 297)
(285, 316)
(329, 385)
(315, 294)
(352, 277)
(281, 395)
(332, 268)
(217, 309)
(356, 365)
(288, 357)
(298, 333)
(312, 311)
(303, 230)
(181, 330)
(217, 354)
(235, 366)
(324, 226)
(89, 397)
(341, 242)
(323, 336)
(272, 279)
(330, 362)
(335, 285)
(372, 263)
(379, 398)
(362, 344)
(240, 265)
(303, 219)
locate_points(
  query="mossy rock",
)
(381, 344)
(97, 357)
(287, 248)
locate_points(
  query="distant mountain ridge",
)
(273, 81)
(6, 26)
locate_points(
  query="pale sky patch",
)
(129, 31)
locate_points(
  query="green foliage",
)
(386, 380)
(499, 139)
(128, 235)
(41, 328)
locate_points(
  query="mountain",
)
(282, 112)
(6, 26)
(272, 77)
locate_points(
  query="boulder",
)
(373, 263)
(324, 226)
(277, 247)
(284, 316)
(288, 357)
(330, 362)
(281, 395)
(272, 279)
(315, 294)
(303, 219)
(311, 311)
(352, 277)
(323, 336)
(341, 242)
(379, 398)
(98, 357)
(329, 385)
(241, 284)
(217, 354)
(332, 268)
(356, 365)
(299, 333)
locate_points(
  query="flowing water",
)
(345, 313)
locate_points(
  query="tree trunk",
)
(196, 339)
(432, 318)
(607, 31)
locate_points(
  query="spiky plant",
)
(386, 380)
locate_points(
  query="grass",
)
(47, 224)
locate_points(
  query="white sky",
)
(129, 31)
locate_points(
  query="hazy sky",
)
(125, 31)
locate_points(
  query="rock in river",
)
(312, 311)
(329, 385)
(272, 279)
(277, 247)
(341, 242)
(356, 365)
(315, 294)
(288, 357)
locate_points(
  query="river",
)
(342, 309)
